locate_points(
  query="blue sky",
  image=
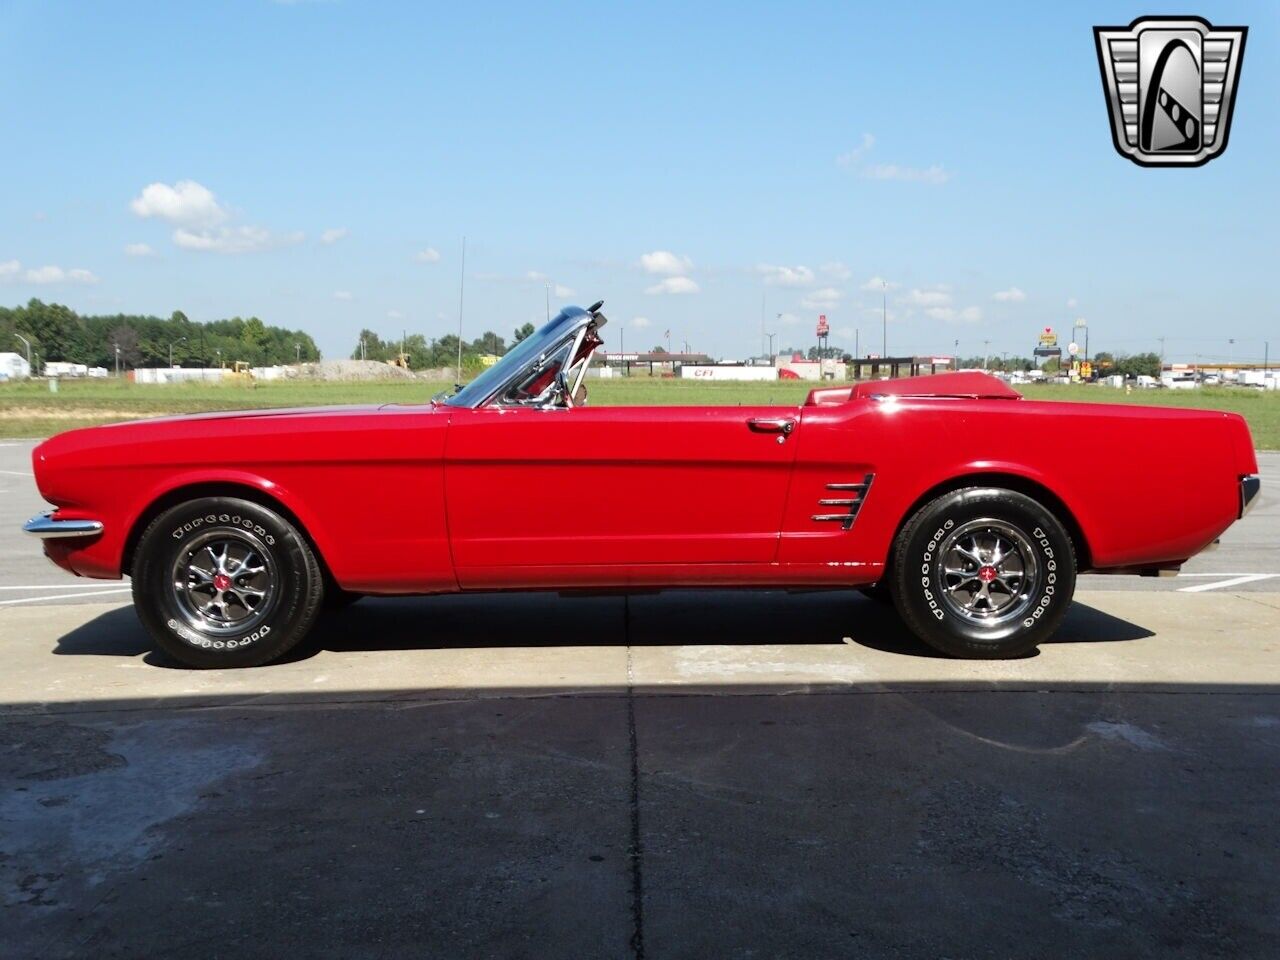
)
(317, 164)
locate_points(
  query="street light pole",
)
(771, 336)
(28, 346)
(462, 287)
(884, 319)
(171, 345)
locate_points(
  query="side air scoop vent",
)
(853, 496)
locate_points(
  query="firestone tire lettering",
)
(299, 587)
(916, 562)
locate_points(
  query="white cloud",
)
(186, 202)
(878, 284)
(888, 171)
(785, 276)
(858, 152)
(395, 314)
(429, 255)
(333, 235)
(927, 298)
(562, 291)
(536, 275)
(664, 263)
(139, 250)
(789, 319)
(823, 299)
(11, 271)
(198, 219)
(892, 171)
(836, 270)
(1012, 295)
(1072, 303)
(674, 285)
(951, 315)
(245, 239)
(342, 295)
(640, 322)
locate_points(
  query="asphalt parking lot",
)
(691, 774)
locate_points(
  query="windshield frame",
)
(567, 325)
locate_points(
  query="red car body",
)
(432, 498)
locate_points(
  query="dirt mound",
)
(350, 370)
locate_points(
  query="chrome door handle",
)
(782, 425)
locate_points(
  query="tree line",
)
(435, 352)
(59, 333)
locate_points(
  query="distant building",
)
(14, 366)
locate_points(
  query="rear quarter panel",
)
(1146, 485)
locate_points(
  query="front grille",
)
(855, 496)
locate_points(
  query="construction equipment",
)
(241, 371)
(400, 360)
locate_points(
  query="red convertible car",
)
(971, 508)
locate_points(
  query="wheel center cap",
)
(986, 574)
(221, 582)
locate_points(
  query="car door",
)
(602, 487)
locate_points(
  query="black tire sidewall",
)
(299, 586)
(920, 603)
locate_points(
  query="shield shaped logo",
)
(1170, 84)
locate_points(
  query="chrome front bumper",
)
(46, 528)
(1250, 484)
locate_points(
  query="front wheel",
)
(224, 582)
(983, 573)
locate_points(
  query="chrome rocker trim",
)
(46, 528)
(1250, 484)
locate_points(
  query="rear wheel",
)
(983, 573)
(224, 582)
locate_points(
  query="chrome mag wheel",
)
(988, 571)
(225, 582)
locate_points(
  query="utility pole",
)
(117, 346)
(884, 319)
(462, 286)
(297, 350)
(1266, 360)
(986, 352)
(171, 345)
(771, 336)
(1161, 339)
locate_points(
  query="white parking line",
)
(63, 596)
(58, 586)
(1233, 582)
(17, 473)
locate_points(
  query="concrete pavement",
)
(683, 775)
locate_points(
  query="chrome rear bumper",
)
(46, 528)
(1250, 484)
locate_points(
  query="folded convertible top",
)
(971, 385)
